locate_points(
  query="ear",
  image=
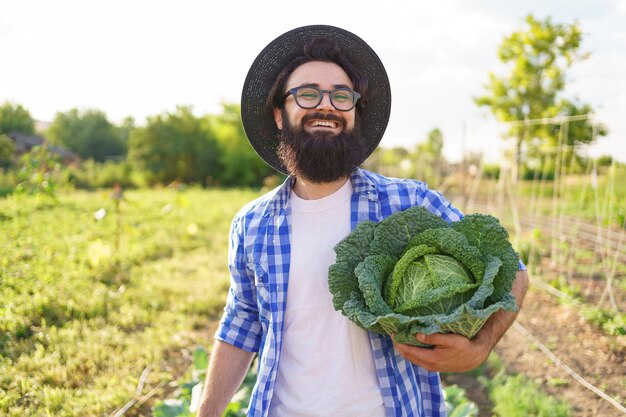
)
(278, 118)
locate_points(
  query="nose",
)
(325, 104)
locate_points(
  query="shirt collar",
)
(361, 184)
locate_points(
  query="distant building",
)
(25, 142)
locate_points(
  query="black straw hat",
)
(261, 129)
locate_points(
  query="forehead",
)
(325, 74)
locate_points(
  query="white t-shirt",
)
(326, 366)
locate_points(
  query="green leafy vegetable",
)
(414, 272)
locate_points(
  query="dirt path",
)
(598, 358)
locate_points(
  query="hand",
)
(451, 352)
(456, 353)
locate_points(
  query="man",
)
(315, 105)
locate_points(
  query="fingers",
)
(424, 357)
(442, 340)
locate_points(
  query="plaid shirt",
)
(259, 264)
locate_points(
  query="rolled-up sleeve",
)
(240, 325)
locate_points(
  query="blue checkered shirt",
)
(259, 264)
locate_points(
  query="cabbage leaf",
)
(414, 272)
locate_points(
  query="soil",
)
(558, 324)
(595, 356)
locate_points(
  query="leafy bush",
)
(39, 173)
(491, 171)
(414, 272)
(611, 322)
(94, 175)
(457, 403)
(188, 396)
(516, 395)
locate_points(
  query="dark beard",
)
(319, 157)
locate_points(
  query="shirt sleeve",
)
(437, 204)
(240, 325)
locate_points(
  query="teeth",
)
(325, 123)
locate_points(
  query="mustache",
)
(323, 116)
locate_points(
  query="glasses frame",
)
(355, 96)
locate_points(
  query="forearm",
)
(499, 322)
(227, 368)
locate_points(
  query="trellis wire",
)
(521, 329)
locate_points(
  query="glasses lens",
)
(308, 97)
(343, 99)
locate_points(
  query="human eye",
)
(342, 96)
(309, 94)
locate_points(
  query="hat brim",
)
(261, 129)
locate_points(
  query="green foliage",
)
(15, 118)
(457, 403)
(515, 395)
(611, 322)
(8, 180)
(80, 320)
(433, 146)
(532, 247)
(187, 399)
(239, 163)
(414, 272)
(605, 161)
(175, 146)
(543, 171)
(88, 133)
(39, 172)
(518, 396)
(93, 175)
(538, 56)
(188, 394)
(7, 149)
(424, 162)
(491, 171)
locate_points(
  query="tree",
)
(15, 118)
(433, 147)
(88, 133)
(239, 163)
(175, 146)
(538, 56)
(7, 149)
(429, 159)
(125, 129)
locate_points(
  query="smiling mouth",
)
(323, 123)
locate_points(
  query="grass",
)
(88, 305)
(515, 395)
(602, 199)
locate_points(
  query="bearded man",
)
(315, 105)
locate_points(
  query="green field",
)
(88, 305)
(104, 300)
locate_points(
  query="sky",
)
(141, 58)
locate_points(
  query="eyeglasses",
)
(343, 99)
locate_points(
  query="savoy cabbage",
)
(414, 272)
